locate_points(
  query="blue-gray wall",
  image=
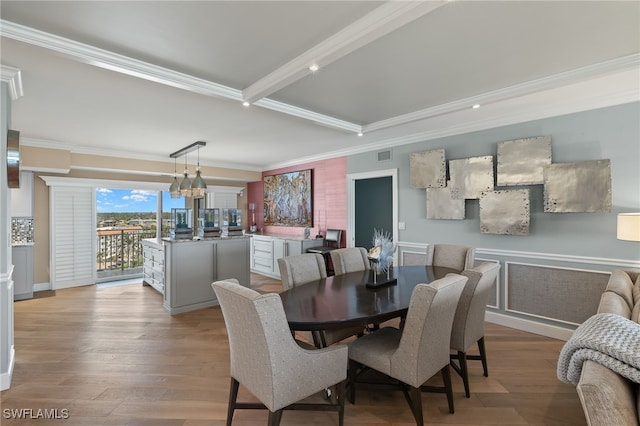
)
(551, 280)
(610, 133)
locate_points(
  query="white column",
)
(7, 351)
(10, 89)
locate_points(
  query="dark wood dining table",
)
(342, 301)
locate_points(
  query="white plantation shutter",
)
(222, 199)
(73, 235)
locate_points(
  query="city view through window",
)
(124, 218)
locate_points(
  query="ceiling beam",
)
(381, 21)
(125, 65)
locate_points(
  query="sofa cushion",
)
(610, 397)
(635, 313)
(620, 283)
(613, 303)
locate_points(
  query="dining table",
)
(346, 300)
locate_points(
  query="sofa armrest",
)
(607, 398)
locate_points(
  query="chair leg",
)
(483, 356)
(233, 395)
(274, 417)
(340, 394)
(446, 378)
(351, 378)
(464, 372)
(415, 404)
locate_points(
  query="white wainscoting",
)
(544, 313)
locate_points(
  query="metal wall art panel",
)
(440, 205)
(522, 161)
(505, 212)
(470, 177)
(580, 187)
(428, 169)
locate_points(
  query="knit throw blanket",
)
(608, 339)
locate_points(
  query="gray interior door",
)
(373, 208)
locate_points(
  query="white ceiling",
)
(142, 79)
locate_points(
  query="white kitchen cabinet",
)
(22, 259)
(267, 249)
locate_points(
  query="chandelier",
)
(187, 188)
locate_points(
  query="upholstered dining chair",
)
(468, 323)
(332, 240)
(351, 259)
(418, 351)
(301, 269)
(267, 361)
(451, 256)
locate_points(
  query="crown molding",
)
(125, 184)
(119, 63)
(115, 62)
(50, 144)
(551, 104)
(13, 77)
(377, 23)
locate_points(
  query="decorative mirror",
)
(13, 158)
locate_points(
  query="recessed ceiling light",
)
(245, 103)
(476, 106)
(359, 133)
(314, 68)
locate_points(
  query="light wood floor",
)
(113, 356)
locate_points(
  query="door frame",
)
(351, 201)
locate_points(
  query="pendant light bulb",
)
(185, 185)
(174, 189)
(198, 186)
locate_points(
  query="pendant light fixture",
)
(186, 188)
(198, 186)
(185, 185)
(174, 189)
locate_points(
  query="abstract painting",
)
(288, 199)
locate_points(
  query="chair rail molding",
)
(566, 258)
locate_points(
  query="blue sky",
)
(133, 201)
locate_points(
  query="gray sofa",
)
(608, 398)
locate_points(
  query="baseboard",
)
(547, 330)
(42, 287)
(5, 378)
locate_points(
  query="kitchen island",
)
(183, 270)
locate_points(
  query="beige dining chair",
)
(267, 361)
(451, 256)
(301, 269)
(351, 259)
(304, 268)
(418, 351)
(468, 323)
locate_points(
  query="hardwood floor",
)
(113, 356)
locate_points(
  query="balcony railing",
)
(119, 251)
